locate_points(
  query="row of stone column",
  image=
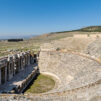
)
(13, 64)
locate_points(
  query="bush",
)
(57, 49)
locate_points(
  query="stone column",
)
(16, 63)
(24, 61)
(28, 59)
(0, 76)
(8, 70)
(21, 60)
(8, 67)
(31, 59)
(19, 66)
(5, 73)
(13, 68)
(13, 65)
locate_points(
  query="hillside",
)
(63, 34)
(85, 29)
(91, 29)
(34, 43)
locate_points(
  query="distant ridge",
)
(85, 29)
(62, 34)
(91, 29)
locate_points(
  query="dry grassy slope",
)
(33, 43)
(69, 44)
(73, 44)
(86, 45)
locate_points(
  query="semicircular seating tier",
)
(74, 71)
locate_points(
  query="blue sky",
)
(33, 17)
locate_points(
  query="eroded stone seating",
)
(74, 71)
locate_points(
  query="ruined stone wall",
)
(25, 83)
(13, 64)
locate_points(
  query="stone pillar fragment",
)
(28, 58)
(5, 73)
